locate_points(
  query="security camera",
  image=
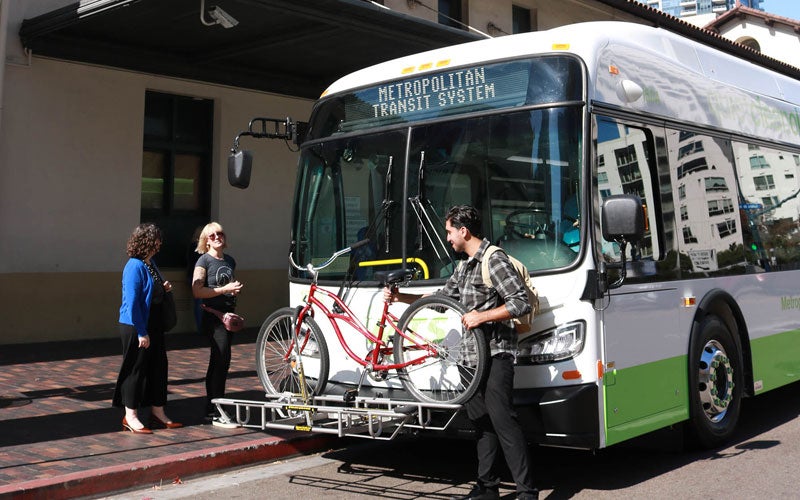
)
(221, 17)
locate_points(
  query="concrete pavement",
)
(60, 437)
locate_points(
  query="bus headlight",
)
(560, 343)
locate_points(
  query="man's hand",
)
(476, 318)
(472, 319)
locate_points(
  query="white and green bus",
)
(677, 323)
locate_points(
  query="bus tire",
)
(716, 381)
(276, 358)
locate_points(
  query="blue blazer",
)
(137, 289)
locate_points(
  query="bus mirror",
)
(240, 163)
(623, 218)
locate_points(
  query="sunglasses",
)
(216, 236)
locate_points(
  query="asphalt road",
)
(760, 462)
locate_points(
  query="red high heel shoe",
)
(127, 427)
(157, 423)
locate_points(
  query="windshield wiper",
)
(427, 225)
(387, 203)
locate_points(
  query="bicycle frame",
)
(381, 347)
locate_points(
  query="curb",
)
(166, 469)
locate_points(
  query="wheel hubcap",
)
(715, 381)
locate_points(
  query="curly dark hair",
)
(144, 239)
(465, 216)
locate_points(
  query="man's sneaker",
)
(224, 422)
(480, 492)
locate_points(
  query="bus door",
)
(645, 376)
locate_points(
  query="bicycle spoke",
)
(444, 361)
(278, 362)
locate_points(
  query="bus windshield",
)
(520, 168)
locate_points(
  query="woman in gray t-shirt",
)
(213, 281)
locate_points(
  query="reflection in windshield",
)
(522, 170)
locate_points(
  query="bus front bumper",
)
(560, 416)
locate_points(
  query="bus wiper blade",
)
(387, 203)
(430, 227)
(420, 198)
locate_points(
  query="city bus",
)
(539, 131)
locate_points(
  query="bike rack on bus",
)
(365, 417)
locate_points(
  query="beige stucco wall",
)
(74, 306)
(778, 41)
(547, 13)
(70, 180)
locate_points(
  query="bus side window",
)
(769, 207)
(709, 230)
(623, 166)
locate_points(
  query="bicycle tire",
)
(277, 368)
(454, 374)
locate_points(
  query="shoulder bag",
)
(232, 321)
(169, 314)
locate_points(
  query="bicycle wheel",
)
(448, 361)
(276, 357)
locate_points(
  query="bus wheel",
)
(715, 384)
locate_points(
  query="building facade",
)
(700, 11)
(687, 8)
(775, 36)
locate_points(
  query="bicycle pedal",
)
(350, 395)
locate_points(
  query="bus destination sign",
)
(468, 89)
(463, 90)
(448, 89)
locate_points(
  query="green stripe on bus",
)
(776, 360)
(643, 398)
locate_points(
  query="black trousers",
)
(492, 413)
(219, 360)
(142, 379)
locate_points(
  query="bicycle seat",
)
(393, 277)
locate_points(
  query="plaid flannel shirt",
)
(466, 285)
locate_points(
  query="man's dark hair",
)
(465, 216)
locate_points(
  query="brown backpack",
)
(522, 324)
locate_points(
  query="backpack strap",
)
(485, 274)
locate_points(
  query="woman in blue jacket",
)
(142, 377)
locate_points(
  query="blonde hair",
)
(202, 240)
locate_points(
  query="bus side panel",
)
(645, 362)
(776, 360)
(645, 397)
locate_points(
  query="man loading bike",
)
(491, 410)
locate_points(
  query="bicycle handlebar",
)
(315, 269)
(359, 244)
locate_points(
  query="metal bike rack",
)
(364, 417)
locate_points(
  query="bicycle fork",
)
(299, 359)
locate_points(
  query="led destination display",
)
(432, 95)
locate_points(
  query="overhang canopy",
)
(289, 47)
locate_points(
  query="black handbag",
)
(169, 315)
(168, 312)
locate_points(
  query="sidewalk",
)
(60, 437)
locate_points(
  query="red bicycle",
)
(435, 358)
